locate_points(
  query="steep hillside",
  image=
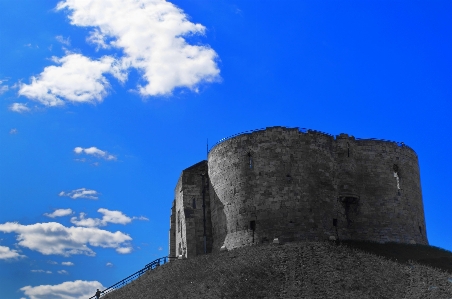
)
(302, 270)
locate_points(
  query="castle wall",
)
(284, 183)
(172, 231)
(189, 237)
(388, 210)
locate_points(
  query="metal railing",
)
(151, 266)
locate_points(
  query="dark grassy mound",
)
(303, 270)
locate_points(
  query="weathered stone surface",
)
(295, 185)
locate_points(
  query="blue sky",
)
(103, 105)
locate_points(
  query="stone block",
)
(277, 241)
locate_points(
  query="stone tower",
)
(302, 185)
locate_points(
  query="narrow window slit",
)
(253, 225)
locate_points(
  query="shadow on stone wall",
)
(218, 217)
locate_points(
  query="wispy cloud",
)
(3, 88)
(13, 131)
(81, 193)
(41, 271)
(63, 272)
(19, 107)
(59, 213)
(64, 41)
(7, 253)
(94, 151)
(116, 217)
(150, 36)
(67, 263)
(78, 289)
(109, 264)
(54, 238)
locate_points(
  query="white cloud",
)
(62, 40)
(124, 250)
(86, 222)
(94, 151)
(8, 253)
(59, 213)
(78, 289)
(151, 34)
(3, 88)
(54, 238)
(18, 107)
(62, 272)
(109, 264)
(78, 79)
(108, 217)
(114, 216)
(41, 271)
(81, 193)
(13, 131)
(67, 263)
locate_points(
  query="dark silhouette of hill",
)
(349, 269)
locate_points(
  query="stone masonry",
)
(297, 185)
(187, 213)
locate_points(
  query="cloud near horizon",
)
(59, 213)
(81, 193)
(116, 217)
(78, 289)
(8, 253)
(149, 34)
(41, 271)
(54, 238)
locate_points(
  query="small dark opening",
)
(194, 203)
(420, 229)
(348, 149)
(250, 160)
(252, 225)
(334, 222)
(395, 167)
(288, 178)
